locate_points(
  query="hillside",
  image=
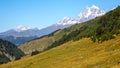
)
(9, 51)
(42, 43)
(100, 29)
(74, 54)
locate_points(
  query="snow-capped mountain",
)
(90, 13)
(22, 28)
(22, 31)
(67, 21)
(87, 14)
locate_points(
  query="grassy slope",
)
(79, 54)
(35, 45)
(42, 43)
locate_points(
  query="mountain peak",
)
(87, 14)
(66, 18)
(94, 7)
(90, 13)
(22, 28)
(67, 21)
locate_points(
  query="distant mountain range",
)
(87, 14)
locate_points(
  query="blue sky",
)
(43, 13)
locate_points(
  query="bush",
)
(34, 53)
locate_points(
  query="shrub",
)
(34, 52)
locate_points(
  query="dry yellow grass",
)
(39, 44)
(74, 54)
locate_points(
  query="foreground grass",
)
(79, 54)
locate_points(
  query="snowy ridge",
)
(90, 13)
(87, 14)
(67, 21)
(24, 28)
